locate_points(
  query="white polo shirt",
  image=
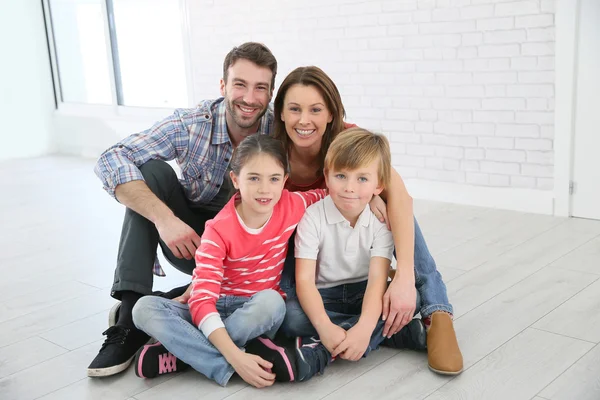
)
(343, 253)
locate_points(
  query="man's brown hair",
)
(257, 53)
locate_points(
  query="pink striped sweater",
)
(233, 261)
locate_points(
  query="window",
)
(120, 52)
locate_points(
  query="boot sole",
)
(115, 369)
(447, 373)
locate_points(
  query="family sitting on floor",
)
(288, 218)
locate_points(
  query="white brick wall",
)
(464, 89)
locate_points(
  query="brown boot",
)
(443, 354)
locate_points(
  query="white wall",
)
(463, 88)
(26, 94)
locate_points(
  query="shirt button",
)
(218, 185)
(205, 116)
(227, 159)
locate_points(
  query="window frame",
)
(116, 109)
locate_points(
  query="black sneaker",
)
(282, 358)
(412, 336)
(312, 357)
(113, 314)
(117, 351)
(154, 359)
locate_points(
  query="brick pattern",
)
(464, 89)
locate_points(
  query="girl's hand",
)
(184, 298)
(253, 370)
(379, 208)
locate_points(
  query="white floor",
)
(525, 288)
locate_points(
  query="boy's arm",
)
(399, 299)
(359, 336)
(307, 244)
(310, 299)
(308, 295)
(376, 286)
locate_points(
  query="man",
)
(163, 210)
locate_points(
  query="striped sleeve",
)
(164, 141)
(310, 196)
(206, 281)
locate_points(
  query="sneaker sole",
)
(115, 369)
(139, 359)
(447, 373)
(113, 314)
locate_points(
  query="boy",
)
(343, 255)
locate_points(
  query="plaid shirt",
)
(196, 138)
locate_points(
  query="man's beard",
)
(241, 121)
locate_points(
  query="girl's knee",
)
(270, 301)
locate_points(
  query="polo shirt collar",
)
(334, 216)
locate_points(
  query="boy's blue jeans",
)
(343, 305)
(428, 280)
(245, 318)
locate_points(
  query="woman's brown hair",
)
(315, 77)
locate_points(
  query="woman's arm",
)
(399, 300)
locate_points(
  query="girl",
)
(235, 294)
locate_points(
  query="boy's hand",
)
(332, 336)
(254, 370)
(355, 344)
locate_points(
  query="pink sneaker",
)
(154, 359)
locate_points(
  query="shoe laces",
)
(115, 335)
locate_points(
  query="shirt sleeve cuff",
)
(211, 323)
(309, 255)
(382, 253)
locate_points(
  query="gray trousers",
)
(140, 239)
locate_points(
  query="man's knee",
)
(158, 174)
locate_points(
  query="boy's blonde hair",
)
(355, 148)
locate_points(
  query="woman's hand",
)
(379, 208)
(399, 304)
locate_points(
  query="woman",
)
(308, 113)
